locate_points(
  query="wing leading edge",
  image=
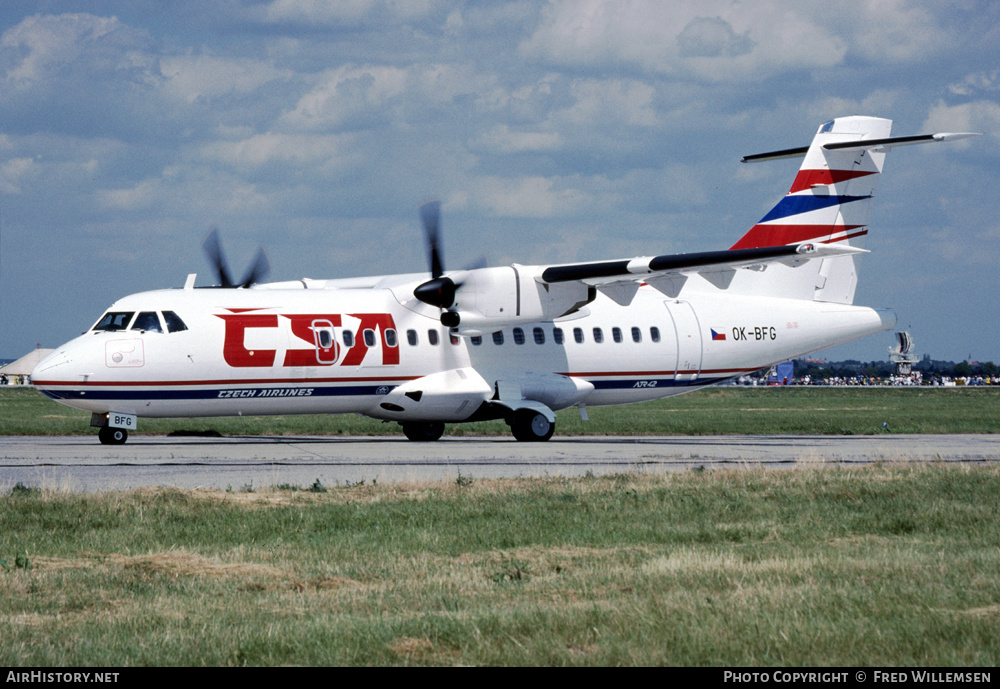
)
(645, 267)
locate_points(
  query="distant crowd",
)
(913, 379)
(13, 380)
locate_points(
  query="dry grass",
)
(887, 564)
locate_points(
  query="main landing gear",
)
(423, 432)
(527, 425)
(112, 436)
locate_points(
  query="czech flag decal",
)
(717, 336)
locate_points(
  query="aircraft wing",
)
(620, 279)
(644, 268)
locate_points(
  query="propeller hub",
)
(439, 291)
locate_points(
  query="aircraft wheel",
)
(112, 436)
(423, 432)
(531, 426)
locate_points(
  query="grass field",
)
(883, 565)
(724, 410)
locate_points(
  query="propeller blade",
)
(430, 216)
(217, 258)
(258, 271)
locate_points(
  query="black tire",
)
(112, 436)
(423, 432)
(530, 426)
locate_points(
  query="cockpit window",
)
(114, 320)
(147, 321)
(174, 322)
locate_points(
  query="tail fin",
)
(830, 199)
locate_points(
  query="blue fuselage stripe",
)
(251, 392)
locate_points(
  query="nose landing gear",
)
(112, 436)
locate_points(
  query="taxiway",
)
(80, 463)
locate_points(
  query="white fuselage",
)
(282, 350)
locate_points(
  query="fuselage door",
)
(326, 341)
(688, 332)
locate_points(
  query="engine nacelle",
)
(490, 298)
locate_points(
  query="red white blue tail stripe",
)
(830, 199)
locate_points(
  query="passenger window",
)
(578, 335)
(348, 339)
(411, 337)
(636, 334)
(369, 336)
(518, 336)
(147, 321)
(452, 337)
(616, 333)
(654, 334)
(174, 322)
(390, 338)
(325, 338)
(114, 320)
(432, 337)
(476, 340)
(598, 336)
(539, 335)
(498, 337)
(557, 335)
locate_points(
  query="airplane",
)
(516, 342)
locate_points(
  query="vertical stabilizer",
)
(829, 201)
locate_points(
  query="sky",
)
(552, 131)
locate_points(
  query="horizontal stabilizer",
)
(861, 145)
(898, 141)
(776, 155)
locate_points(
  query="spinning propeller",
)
(259, 269)
(439, 290)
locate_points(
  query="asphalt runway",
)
(82, 464)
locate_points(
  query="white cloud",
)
(526, 197)
(344, 11)
(879, 102)
(367, 96)
(192, 77)
(894, 31)
(323, 152)
(501, 139)
(40, 46)
(138, 197)
(713, 39)
(610, 101)
(980, 116)
(346, 95)
(14, 172)
(975, 82)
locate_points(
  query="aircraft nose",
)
(55, 363)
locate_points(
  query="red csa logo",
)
(317, 330)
